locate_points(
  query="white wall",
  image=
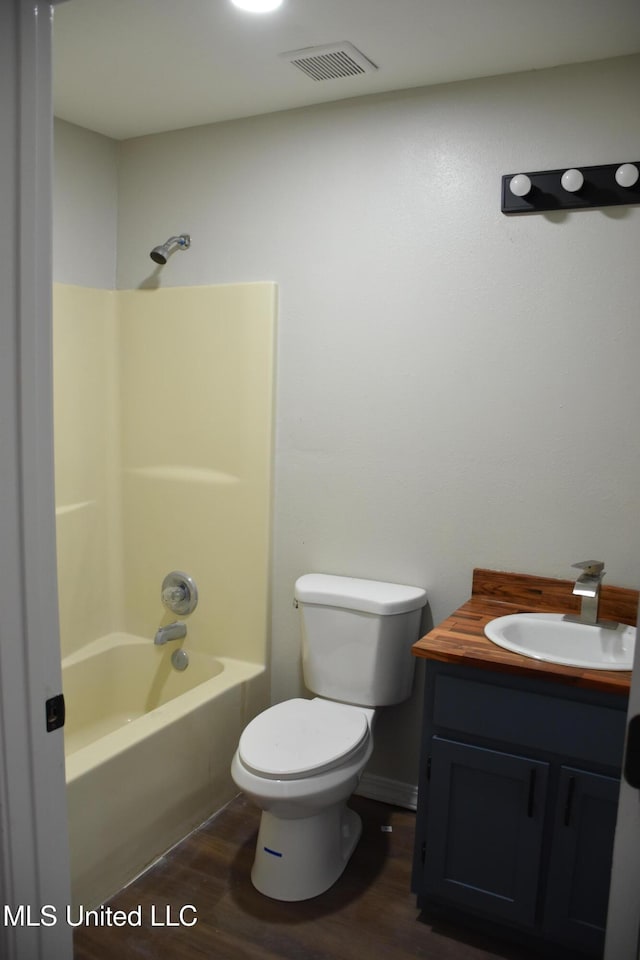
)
(85, 207)
(455, 388)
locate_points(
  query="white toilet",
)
(300, 760)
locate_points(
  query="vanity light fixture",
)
(572, 180)
(257, 6)
(520, 185)
(627, 175)
(605, 185)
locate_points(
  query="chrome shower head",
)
(162, 253)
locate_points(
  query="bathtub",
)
(148, 752)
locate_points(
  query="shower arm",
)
(184, 240)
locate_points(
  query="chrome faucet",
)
(587, 586)
(173, 631)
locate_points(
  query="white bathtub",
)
(148, 752)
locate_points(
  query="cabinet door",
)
(580, 864)
(484, 829)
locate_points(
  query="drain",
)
(180, 659)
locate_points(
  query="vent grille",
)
(330, 62)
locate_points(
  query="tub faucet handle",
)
(171, 595)
(179, 593)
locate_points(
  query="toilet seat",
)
(301, 738)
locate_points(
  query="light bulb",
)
(257, 6)
(520, 185)
(627, 175)
(572, 180)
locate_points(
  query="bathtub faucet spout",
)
(173, 631)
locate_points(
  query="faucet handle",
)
(592, 568)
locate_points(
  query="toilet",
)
(300, 761)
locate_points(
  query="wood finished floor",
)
(369, 914)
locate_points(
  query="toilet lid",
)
(301, 737)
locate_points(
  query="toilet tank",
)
(357, 637)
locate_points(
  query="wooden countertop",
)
(460, 638)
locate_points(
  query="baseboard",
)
(388, 791)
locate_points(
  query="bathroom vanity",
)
(519, 772)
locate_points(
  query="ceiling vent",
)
(330, 62)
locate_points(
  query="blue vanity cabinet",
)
(580, 865)
(484, 831)
(517, 802)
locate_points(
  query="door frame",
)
(34, 848)
(623, 919)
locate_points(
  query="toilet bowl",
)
(300, 760)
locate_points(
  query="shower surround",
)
(163, 445)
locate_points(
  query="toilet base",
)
(300, 859)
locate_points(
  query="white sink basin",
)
(547, 636)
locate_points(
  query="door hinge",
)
(55, 712)
(423, 851)
(428, 768)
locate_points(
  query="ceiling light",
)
(257, 6)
